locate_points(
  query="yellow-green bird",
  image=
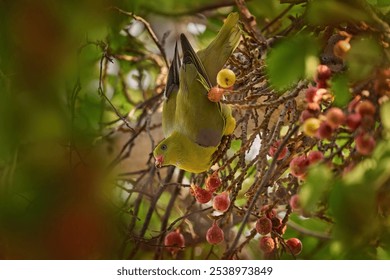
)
(193, 126)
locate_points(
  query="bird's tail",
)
(220, 49)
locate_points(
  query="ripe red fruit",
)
(335, 117)
(313, 95)
(213, 182)
(281, 229)
(263, 225)
(294, 202)
(306, 114)
(323, 73)
(275, 147)
(270, 213)
(352, 104)
(324, 131)
(365, 108)
(221, 202)
(214, 234)
(215, 94)
(365, 144)
(314, 157)
(353, 121)
(174, 241)
(267, 244)
(295, 246)
(299, 165)
(201, 195)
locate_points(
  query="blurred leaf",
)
(313, 189)
(340, 89)
(287, 61)
(328, 12)
(365, 55)
(385, 113)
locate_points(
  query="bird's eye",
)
(163, 147)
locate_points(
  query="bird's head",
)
(161, 154)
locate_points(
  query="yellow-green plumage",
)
(192, 124)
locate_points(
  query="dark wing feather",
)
(173, 81)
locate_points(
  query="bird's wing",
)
(170, 94)
(198, 118)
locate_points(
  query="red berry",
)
(325, 131)
(267, 244)
(221, 202)
(313, 106)
(281, 229)
(294, 202)
(323, 73)
(335, 117)
(264, 225)
(306, 114)
(365, 144)
(299, 165)
(270, 213)
(295, 246)
(201, 195)
(315, 156)
(213, 182)
(313, 95)
(275, 147)
(174, 241)
(353, 121)
(352, 104)
(215, 94)
(214, 234)
(365, 108)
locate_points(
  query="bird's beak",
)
(159, 161)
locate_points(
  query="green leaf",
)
(287, 62)
(340, 89)
(365, 55)
(327, 12)
(316, 184)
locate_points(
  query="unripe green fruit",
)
(226, 78)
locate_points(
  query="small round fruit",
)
(215, 94)
(201, 195)
(276, 222)
(214, 235)
(174, 241)
(341, 48)
(312, 95)
(281, 229)
(365, 144)
(294, 246)
(353, 121)
(226, 78)
(315, 156)
(294, 202)
(310, 126)
(325, 131)
(270, 213)
(365, 108)
(323, 72)
(272, 150)
(264, 225)
(221, 202)
(306, 114)
(267, 244)
(299, 165)
(335, 117)
(213, 182)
